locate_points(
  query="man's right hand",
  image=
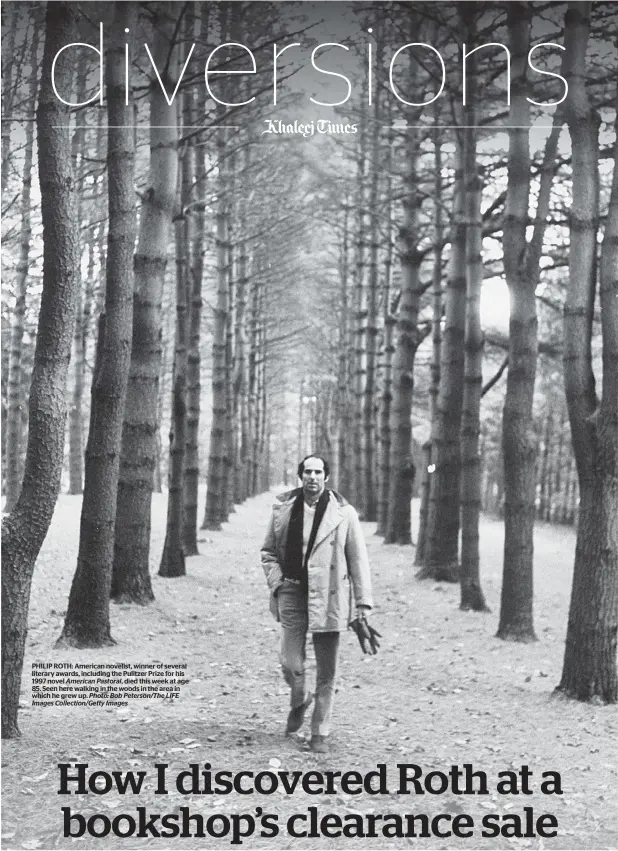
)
(274, 603)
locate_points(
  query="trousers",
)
(292, 603)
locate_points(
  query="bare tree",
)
(388, 351)
(471, 592)
(369, 484)
(76, 417)
(87, 619)
(26, 527)
(173, 556)
(402, 468)
(442, 535)
(14, 425)
(344, 408)
(359, 359)
(216, 510)
(131, 577)
(522, 269)
(589, 669)
(436, 339)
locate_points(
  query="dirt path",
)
(442, 692)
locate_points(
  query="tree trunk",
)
(193, 370)
(390, 323)
(521, 264)
(252, 378)
(76, 430)
(471, 592)
(257, 464)
(264, 423)
(231, 412)
(589, 669)
(25, 529)
(344, 473)
(368, 485)
(388, 349)
(173, 557)
(556, 484)
(573, 505)
(357, 465)
(240, 367)
(80, 344)
(76, 436)
(15, 394)
(191, 473)
(216, 491)
(402, 472)
(87, 620)
(442, 536)
(544, 475)
(436, 338)
(131, 578)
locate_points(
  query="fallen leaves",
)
(444, 692)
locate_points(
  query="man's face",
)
(314, 478)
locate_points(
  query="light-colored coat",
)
(338, 566)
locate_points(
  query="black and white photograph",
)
(309, 424)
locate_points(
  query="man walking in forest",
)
(315, 559)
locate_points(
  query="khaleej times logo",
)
(321, 127)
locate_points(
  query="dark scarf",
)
(295, 567)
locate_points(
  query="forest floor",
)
(443, 691)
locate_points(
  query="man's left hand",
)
(366, 634)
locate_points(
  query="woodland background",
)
(430, 301)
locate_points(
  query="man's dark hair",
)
(301, 466)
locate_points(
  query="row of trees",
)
(193, 182)
(528, 200)
(531, 200)
(343, 279)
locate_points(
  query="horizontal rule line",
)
(148, 126)
(470, 126)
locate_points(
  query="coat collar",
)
(332, 518)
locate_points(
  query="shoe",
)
(297, 715)
(319, 744)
